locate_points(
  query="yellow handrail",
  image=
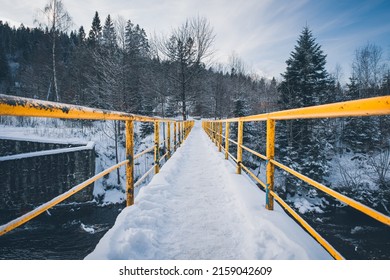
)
(25, 107)
(364, 107)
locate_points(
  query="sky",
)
(261, 32)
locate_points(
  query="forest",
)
(113, 65)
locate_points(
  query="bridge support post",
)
(185, 130)
(178, 134)
(181, 132)
(130, 163)
(227, 140)
(270, 165)
(169, 140)
(220, 138)
(156, 147)
(212, 131)
(174, 136)
(240, 135)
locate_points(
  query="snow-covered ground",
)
(106, 190)
(198, 208)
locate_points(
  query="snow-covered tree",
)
(109, 35)
(302, 143)
(95, 33)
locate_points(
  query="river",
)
(72, 231)
(67, 232)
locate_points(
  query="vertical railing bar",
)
(168, 140)
(240, 132)
(174, 136)
(156, 147)
(227, 126)
(130, 163)
(270, 166)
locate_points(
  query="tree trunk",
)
(183, 92)
(55, 86)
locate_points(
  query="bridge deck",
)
(198, 208)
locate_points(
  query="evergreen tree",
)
(241, 109)
(81, 35)
(360, 133)
(305, 83)
(109, 35)
(136, 60)
(96, 31)
(4, 69)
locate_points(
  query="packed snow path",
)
(198, 208)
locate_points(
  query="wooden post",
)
(239, 148)
(130, 164)
(270, 166)
(227, 140)
(156, 147)
(169, 140)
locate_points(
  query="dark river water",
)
(64, 233)
(355, 235)
(72, 232)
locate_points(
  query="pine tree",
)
(360, 133)
(109, 35)
(96, 31)
(301, 143)
(136, 60)
(81, 35)
(4, 69)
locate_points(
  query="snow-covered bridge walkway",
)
(198, 208)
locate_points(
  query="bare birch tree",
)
(56, 20)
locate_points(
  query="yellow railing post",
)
(270, 166)
(156, 147)
(169, 140)
(130, 163)
(216, 133)
(186, 130)
(239, 145)
(213, 125)
(220, 138)
(227, 140)
(174, 135)
(179, 133)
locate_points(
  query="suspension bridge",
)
(203, 204)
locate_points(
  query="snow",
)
(8, 135)
(198, 208)
(45, 130)
(89, 146)
(88, 229)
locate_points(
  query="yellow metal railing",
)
(24, 107)
(365, 107)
